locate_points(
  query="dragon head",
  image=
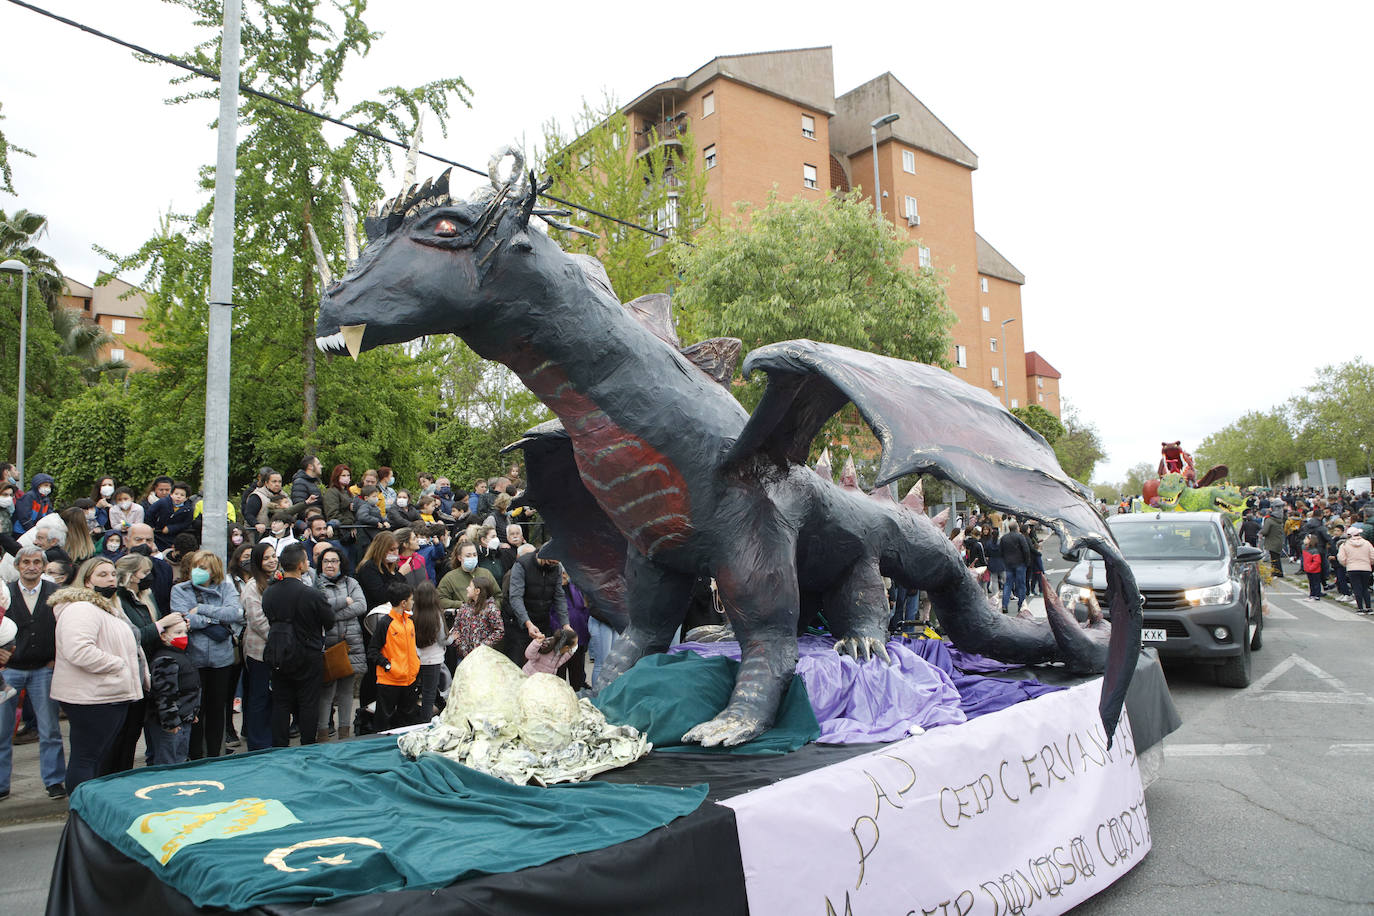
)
(428, 258)
(1227, 498)
(1171, 487)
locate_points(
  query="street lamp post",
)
(1006, 387)
(23, 350)
(877, 182)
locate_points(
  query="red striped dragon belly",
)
(641, 491)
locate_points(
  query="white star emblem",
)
(333, 860)
(195, 791)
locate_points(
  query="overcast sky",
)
(1187, 186)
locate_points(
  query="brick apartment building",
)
(118, 308)
(773, 118)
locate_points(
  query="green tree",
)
(86, 441)
(1257, 448)
(1080, 448)
(1040, 420)
(649, 180)
(6, 169)
(1137, 475)
(19, 235)
(284, 402)
(52, 376)
(824, 270)
(1335, 417)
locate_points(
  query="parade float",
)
(761, 772)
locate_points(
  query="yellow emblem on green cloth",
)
(164, 833)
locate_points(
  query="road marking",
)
(1343, 750)
(1330, 612)
(1277, 613)
(1215, 750)
(1338, 692)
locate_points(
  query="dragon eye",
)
(445, 229)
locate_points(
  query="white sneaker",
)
(8, 693)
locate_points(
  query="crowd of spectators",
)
(345, 604)
(1325, 534)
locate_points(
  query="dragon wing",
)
(581, 536)
(927, 421)
(930, 422)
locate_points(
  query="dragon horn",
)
(350, 224)
(412, 157)
(527, 207)
(326, 277)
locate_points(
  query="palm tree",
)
(83, 339)
(18, 232)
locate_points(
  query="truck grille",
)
(1156, 599)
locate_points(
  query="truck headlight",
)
(1071, 595)
(1212, 594)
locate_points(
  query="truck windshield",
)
(1163, 539)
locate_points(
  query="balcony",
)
(651, 135)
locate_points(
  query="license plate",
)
(1152, 635)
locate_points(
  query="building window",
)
(808, 127)
(913, 213)
(1039, 382)
(961, 357)
(117, 326)
(924, 255)
(709, 154)
(987, 313)
(993, 341)
(809, 176)
(996, 377)
(1015, 402)
(1040, 396)
(983, 285)
(908, 162)
(665, 221)
(584, 160)
(708, 104)
(116, 353)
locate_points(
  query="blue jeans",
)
(906, 606)
(1016, 582)
(603, 636)
(52, 764)
(168, 748)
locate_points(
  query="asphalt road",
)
(1264, 804)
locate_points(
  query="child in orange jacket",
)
(393, 652)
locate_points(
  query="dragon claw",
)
(727, 729)
(863, 648)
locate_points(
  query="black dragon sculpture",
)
(654, 474)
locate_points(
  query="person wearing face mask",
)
(453, 587)
(99, 670)
(489, 552)
(211, 607)
(34, 504)
(134, 576)
(8, 492)
(400, 513)
(171, 515)
(102, 495)
(173, 703)
(346, 599)
(386, 485)
(280, 535)
(124, 512)
(290, 605)
(140, 541)
(338, 508)
(537, 601)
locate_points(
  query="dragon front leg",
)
(762, 600)
(856, 608)
(657, 599)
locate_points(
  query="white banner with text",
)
(1023, 811)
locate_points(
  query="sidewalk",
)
(28, 799)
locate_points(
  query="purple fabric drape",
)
(874, 702)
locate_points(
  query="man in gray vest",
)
(537, 601)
